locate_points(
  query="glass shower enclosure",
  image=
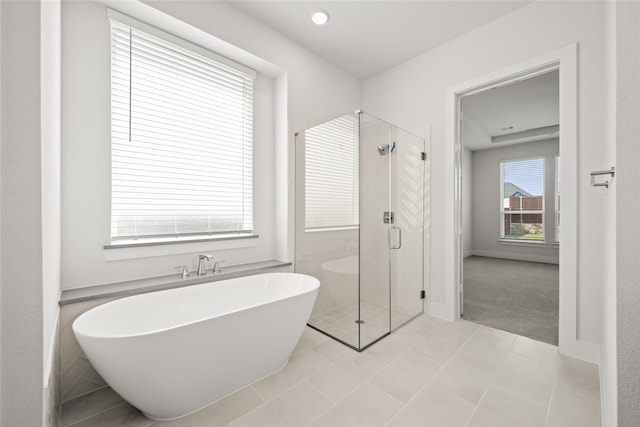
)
(360, 225)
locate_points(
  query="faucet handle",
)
(185, 271)
(216, 266)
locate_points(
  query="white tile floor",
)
(429, 373)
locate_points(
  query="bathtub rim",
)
(314, 288)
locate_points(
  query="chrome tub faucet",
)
(202, 266)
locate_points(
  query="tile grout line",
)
(264, 403)
(441, 390)
(535, 359)
(569, 390)
(334, 403)
(446, 363)
(384, 392)
(491, 381)
(521, 397)
(575, 393)
(553, 391)
(404, 405)
(305, 379)
(484, 393)
(330, 363)
(94, 414)
(85, 393)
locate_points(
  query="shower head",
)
(383, 149)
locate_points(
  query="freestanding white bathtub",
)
(170, 353)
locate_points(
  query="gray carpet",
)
(515, 296)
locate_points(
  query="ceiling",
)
(517, 109)
(368, 37)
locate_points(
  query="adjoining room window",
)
(331, 175)
(557, 198)
(522, 207)
(181, 137)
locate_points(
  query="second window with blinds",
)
(522, 207)
(331, 175)
(182, 138)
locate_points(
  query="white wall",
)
(487, 199)
(315, 90)
(318, 91)
(608, 355)
(627, 238)
(30, 267)
(1, 197)
(411, 95)
(22, 310)
(467, 202)
(50, 179)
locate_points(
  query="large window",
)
(181, 137)
(331, 175)
(522, 207)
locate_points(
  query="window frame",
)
(502, 237)
(188, 238)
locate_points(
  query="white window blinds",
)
(522, 189)
(331, 174)
(181, 140)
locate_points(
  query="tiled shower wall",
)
(77, 376)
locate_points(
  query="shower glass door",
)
(407, 232)
(392, 168)
(375, 201)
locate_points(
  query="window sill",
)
(530, 243)
(132, 249)
(152, 284)
(318, 230)
(555, 245)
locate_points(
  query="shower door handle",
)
(395, 237)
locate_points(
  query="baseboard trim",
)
(440, 311)
(515, 256)
(581, 349)
(608, 400)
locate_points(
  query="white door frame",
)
(564, 59)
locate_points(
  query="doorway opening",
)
(510, 204)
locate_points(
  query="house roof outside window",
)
(512, 190)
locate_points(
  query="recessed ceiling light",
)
(320, 17)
